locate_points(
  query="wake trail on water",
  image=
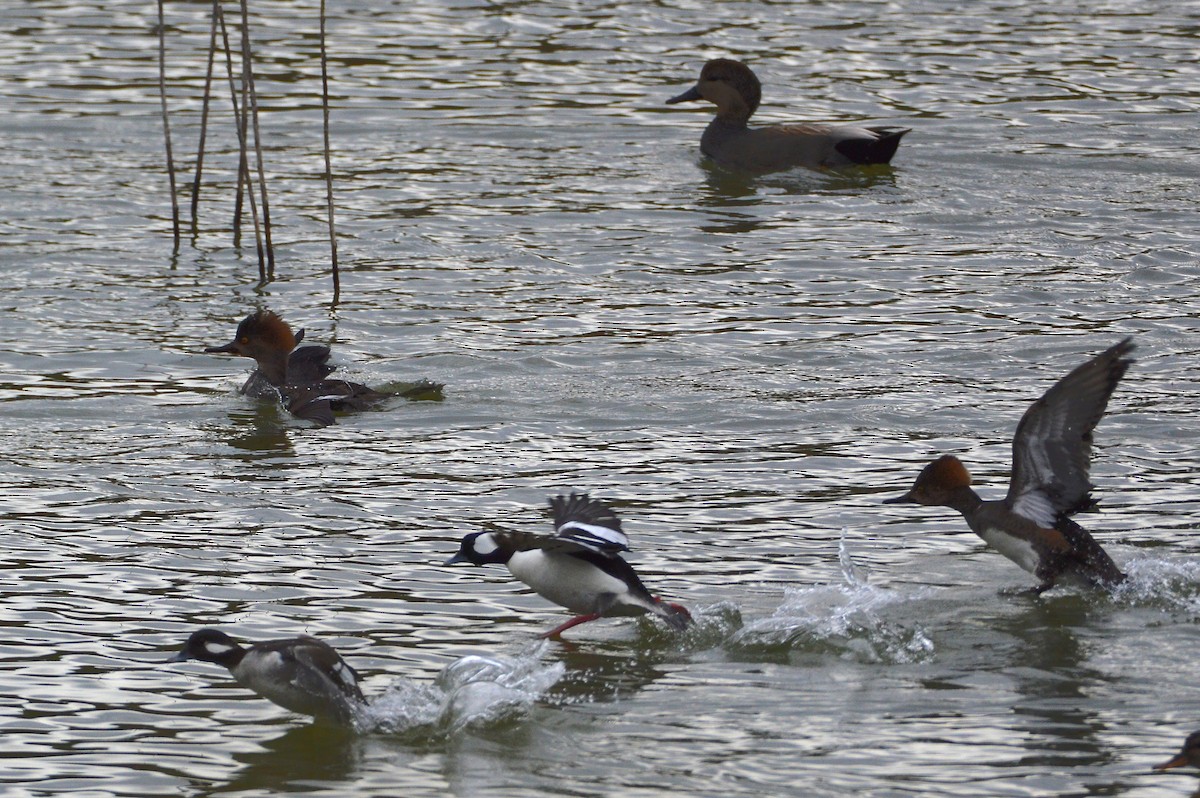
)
(476, 691)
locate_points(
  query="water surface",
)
(744, 366)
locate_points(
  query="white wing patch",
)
(1037, 507)
(594, 535)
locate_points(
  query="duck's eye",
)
(245, 339)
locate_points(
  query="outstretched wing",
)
(581, 526)
(589, 523)
(1052, 449)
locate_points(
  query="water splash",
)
(855, 575)
(1168, 583)
(841, 618)
(473, 692)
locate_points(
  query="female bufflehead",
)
(578, 567)
(302, 674)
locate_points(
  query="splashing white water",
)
(472, 692)
(1159, 581)
(845, 617)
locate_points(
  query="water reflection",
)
(1051, 674)
(258, 427)
(740, 357)
(311, 753)
(610, 672)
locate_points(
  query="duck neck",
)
(734, 113)
(274, 368)
(964, 499)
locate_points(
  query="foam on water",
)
(472, 692)
(1171, 583)
(845, 618)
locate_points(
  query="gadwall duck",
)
(735, 90)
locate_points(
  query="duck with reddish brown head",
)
(1188, 755)
(1052, 452)
(297, 376)
(730, 141)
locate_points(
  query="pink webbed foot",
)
(578, 619)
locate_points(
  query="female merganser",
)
(578, 567)
(297, 377)
(301, 674)
(1188, 755)
(1052, 453)
(729, 140)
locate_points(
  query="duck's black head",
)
(480, 548)
(211, 645)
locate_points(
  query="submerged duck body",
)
(730, 141)
(301, 674)
(298, 376)
(1052, 452)
(579, 567)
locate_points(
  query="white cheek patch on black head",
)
(217, 649)
(484, 545)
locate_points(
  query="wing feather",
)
(1052, 448)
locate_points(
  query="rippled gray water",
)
(744, 366)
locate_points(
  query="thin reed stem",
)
(333, 252)
(208, 79)
(250, 107)
(162, 91)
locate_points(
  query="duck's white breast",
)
(1014, 548)
(565, 580)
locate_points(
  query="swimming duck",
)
(301, 674)
(1052, 452)
(297, 376)
(735, 90)
(578, 567)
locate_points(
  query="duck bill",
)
(905, 499)
(691, 94)
(182, 656)
(230, 348)
(1178, 762)
(456, 559)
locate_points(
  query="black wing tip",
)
(1121, 349)
(581, 507)
(1124, 346)
(1118, 360)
